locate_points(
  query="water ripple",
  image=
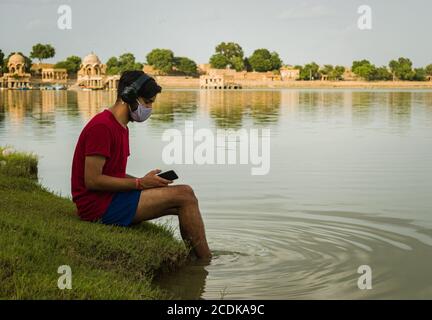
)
(311, 255)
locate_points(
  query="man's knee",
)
(186, 194)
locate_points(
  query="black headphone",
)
(130, 93)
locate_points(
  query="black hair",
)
(147, 91)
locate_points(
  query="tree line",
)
(231, 55)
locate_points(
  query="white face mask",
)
(142, 113)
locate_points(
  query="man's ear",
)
(133, 105)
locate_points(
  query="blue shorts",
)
(122, 209)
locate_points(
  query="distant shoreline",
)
(176, 82)
(193, 83)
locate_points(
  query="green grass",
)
(39, 232)
(18, 164)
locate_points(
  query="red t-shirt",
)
(103, 135)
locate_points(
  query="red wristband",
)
(137, 184)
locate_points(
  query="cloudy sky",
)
(301, 31)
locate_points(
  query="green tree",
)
(262, 60)
(419, 74)
(428, 69)
(71, 64)
(310, 72)
(219, 61)
(382, 73)
(123, 63)
(113, 66)
(127, 62)
(161, 59)
(247, 65)
(42, 51)
(228, 54)
(185, 65)
(327, 69)
(364, 69)
(402, 69)
(332, 72)
(337, 73)
(238, 63)
(230, 50)
(276, 61)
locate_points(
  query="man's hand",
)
(151, 180)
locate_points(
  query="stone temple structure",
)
(16, 78)
(54, 75)
(92, 74)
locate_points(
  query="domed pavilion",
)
(16, 77)
(92, 74)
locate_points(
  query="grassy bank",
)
(39, 232)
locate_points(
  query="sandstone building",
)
(16, 77)
(92, 74)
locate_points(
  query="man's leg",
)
(179, 200)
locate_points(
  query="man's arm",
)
(129, 176)
(95, 180)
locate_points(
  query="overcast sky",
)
(324, 31)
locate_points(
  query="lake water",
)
(350, 184)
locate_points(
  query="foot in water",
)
(215, 255)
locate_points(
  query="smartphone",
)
(168, 175)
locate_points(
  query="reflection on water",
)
(229, 108)
(174, 106)
(349, 185)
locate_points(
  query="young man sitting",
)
(101, 189)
